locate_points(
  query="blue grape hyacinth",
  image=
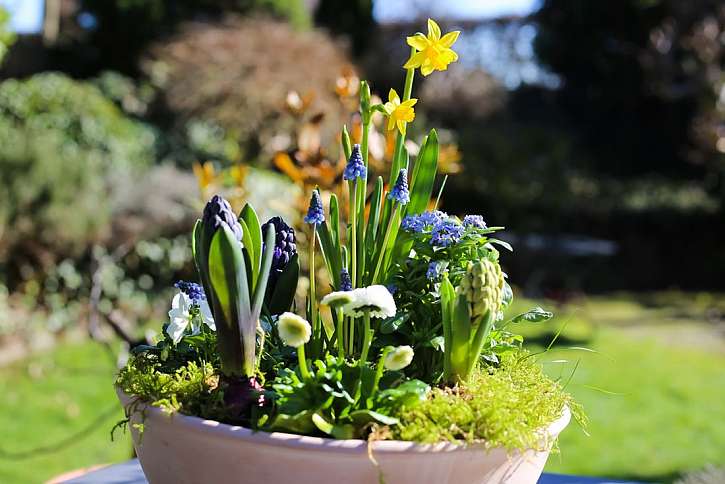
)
(355, 166)
(315, 213)
(435, 270)
(345, 281)
(424, 222)
(191, 289)
(400, 192)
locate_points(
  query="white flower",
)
(181, 316)
(294, 330)
(399, 358)
(337, 298)
(376, 300)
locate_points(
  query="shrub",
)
(62, 146)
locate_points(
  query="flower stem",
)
(352, 228)
(351, 331)
(313, 298)
(367, 339)
(303, 362)
(340, 333)
(379, 369)
(385, 243)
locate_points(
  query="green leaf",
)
(447, 298)
(335, 221)
(362, 417)
(330, 253)
(502, 243)
(460, 338)
(374, 217)
(261, 288)
(391, 325)
(283, 294)
(254, 241)
(346, 144)
(534, 315)
(424, 173)
(337, 431)
(236, 337)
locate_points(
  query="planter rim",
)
(303, 442)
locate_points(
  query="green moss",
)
(190, 389)
(503, 406)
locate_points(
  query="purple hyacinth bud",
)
(285, 246)
(218, 210)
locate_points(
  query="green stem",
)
(313, 297)
(367, 339)
(340, 333)
(380, 368)
(351, 341)
(303, 362)
(385, 244)
(352, 228)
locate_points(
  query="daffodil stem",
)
(340, 333)
(385, 243)
(303, 362)
(367, 339)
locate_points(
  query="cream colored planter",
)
(180, 449)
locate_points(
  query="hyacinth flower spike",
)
(220, 257)
(354, 172)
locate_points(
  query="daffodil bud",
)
(482, 285)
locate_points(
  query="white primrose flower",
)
(337, 298)
(181, 316)
(376, 300)
(294, 330)
(399, 358)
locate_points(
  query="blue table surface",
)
(130, 473)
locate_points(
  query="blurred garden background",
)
(594, 131)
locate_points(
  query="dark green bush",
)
(62, 146)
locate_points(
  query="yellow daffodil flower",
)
(434, 52)
(399, 114)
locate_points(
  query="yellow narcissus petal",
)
(434, 32)
(393, 97)
(418, 41)
(415, 60)
(426, 69)
(448, 39)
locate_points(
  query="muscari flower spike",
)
(218, 211)
(435, 270)
(345, 281)
(475, 221)
(446, 232)
(355, 166)
(315, 213)
(191, 289)
(400, 192)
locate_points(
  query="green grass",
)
(658, 354)
(54, 396)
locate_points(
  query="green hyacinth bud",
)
(482, 285)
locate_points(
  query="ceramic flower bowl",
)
(182, 449)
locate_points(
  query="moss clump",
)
(502, 407)
(192, 388)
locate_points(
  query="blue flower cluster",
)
(400, 192)
(315, 213)
(345, 281)
(424, 222)
(435, 270)
(355, 167)
(474, 221)
(446, 232)
(191, 289)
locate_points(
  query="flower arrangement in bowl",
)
(406, 371)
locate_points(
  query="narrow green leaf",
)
(330, 253)
(534, 315)
(460, 337)
(251, 220)
(424, 173)
(261, 287)
(284, 291)
(346, 144)
(250, 259)
(335, 221)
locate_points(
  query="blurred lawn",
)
(48, 398)
(659, 359)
